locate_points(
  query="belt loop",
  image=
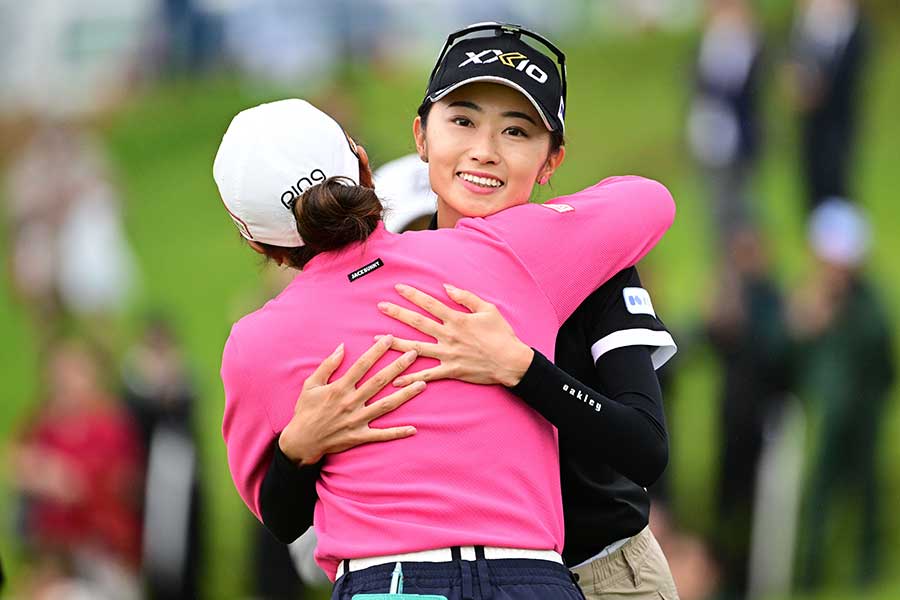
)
(340, 584)
(484, 577)
(455, 553)
(465, 572)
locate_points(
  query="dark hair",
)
(557, 139)
(329, 216)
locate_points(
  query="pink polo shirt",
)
(483, 468)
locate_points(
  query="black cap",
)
(505, 59)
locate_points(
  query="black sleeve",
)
(619, 314)
(287, 498)
(621, 425)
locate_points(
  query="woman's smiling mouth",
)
(482, 182)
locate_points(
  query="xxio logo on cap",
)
(289, 196)
(507, 58)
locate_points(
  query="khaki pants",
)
(636, 571)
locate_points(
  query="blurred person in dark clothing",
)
(78, 468)
(829, 52)
(192, 36)
(724, 121)
(746, 329)
(160, 394)
(846, 368)
(274, 573)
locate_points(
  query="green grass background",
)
(626, 111)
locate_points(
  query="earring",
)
(423, 158)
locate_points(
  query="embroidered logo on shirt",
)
(375, 264)
(637, 301)
(560, 208)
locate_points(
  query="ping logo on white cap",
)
(289, 196)
(269, 156)
(637, 301)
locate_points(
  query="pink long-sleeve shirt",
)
(483, 467)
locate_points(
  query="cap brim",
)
(494, 79)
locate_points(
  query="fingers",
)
(411, 318)
(365, 362)
(386, 435)
(424, 301)
(383, 377)
(432, 374)
(393, 401)
(427, 349)
(467, 299)
(325, 369)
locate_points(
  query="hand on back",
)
(331, 417)
(478, 346)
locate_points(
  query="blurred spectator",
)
(34, 214)
(261, 37)
(192, 31)
(724, 121)
(77, 466)
(70, 59)
(68, 252)
(746, 328)
(275, 575)
(693, 568)
(303, 554)
(829, 48)
(161, 396)
(846, 357)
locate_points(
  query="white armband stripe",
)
(662, 341)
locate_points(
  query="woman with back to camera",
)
(425, 495)
(611, 345)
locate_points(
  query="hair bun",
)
(335, 213)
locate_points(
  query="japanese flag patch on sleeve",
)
(637, 301)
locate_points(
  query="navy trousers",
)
(501, 579)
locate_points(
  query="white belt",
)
(446, 555)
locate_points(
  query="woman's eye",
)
(516, 132)
(462, 121)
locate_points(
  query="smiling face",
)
(486, 147)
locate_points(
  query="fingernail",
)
(338, 350)
(401, 287)
(419, 385)
(377, 337)
(411, 355)
(449, 287)
(411, 430)
(383, 306)
(387, 340)
(399, 382)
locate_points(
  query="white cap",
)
(839, 232)
(405, 191)
(269, 156)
